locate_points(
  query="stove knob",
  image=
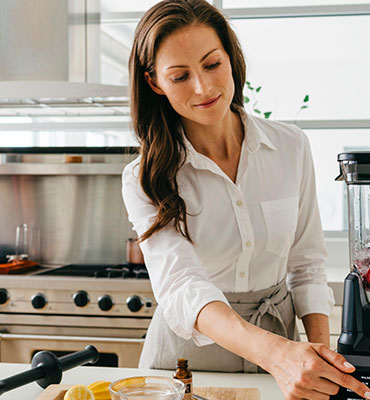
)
(39, 301)
(105, 302)
(81, 298)
(134, 303)
(4, 296)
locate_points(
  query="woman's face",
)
(193, 70)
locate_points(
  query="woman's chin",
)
(209, 117)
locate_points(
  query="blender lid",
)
(361, 157)
(362, 161)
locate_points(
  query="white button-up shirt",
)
(247, 235)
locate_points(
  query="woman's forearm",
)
(317, 328)
(223, 325)
(302, 369)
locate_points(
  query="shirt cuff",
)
(312, 299)
(186, 330)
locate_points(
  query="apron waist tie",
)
(268, 307)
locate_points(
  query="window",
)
(324, 57)
(331, 195)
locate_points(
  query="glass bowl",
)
(147, 388)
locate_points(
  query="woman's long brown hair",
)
(155, 122)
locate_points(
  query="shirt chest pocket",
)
(281, 221)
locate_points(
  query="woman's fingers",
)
(328, 387)
(334, 358)
(348, 381)
(299, 392)
(340, 370)
(313, 395)
(308, 393)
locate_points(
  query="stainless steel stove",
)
(63, 309)
(84, 292)
(79, 289)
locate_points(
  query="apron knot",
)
(267, 306)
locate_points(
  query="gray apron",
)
(271, 309)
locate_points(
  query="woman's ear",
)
(152, 83)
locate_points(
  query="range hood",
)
(51, 56)
(60, 94)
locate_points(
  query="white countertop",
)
(86, 375)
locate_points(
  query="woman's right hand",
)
(311, 371)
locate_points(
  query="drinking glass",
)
(147, 388)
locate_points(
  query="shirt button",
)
(242, 274)
(239, 203)
(248, 243)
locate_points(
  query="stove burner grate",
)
(123, 271)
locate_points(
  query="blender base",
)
(362, 374)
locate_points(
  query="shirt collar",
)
(254, 136)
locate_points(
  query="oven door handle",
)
(15, 336)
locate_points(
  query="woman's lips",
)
(208, 103)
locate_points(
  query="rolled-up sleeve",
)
(180, 283)
(306, 263)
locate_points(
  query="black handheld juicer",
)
(354, 340)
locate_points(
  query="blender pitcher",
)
(355, 169)
(354, 340)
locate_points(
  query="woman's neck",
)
(220, 141)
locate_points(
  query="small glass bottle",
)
(184, 374)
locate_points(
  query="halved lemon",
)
(79, 392)
(100, 390)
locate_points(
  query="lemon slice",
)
(100, 390)
(128, 381)
(79, 392)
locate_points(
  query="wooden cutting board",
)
(56, 392)
(213, 393)
(53, 392)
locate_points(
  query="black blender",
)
(354, 340)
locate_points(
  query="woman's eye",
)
(180, 78)
(213, 66)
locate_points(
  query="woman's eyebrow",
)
(202, 59)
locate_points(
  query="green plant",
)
(304, 105)
(252, 98)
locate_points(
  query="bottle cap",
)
(182, 362)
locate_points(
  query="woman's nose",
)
(201, 84)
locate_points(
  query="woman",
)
(224, 205)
